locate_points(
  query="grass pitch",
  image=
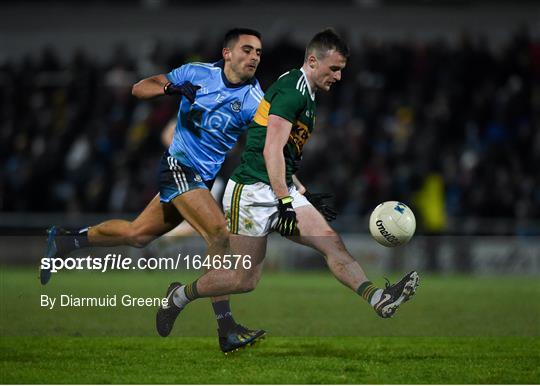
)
(276, 360)
(456, 330)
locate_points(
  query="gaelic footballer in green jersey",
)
(261, 197)
(291, 98)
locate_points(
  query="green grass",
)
(276, 360)
(457, 329)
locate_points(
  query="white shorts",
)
(252, 210)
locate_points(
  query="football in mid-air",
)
(392, 223)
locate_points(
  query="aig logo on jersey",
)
(205, 118)
(236, 106)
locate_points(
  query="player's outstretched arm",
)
(150, 87)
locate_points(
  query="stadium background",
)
(438, 107)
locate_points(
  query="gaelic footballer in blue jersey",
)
(207, 128)
(217, 102)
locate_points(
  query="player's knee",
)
(335, 243)
(138, 238)
(139, 241)
(219, 236)
(247, 284)
(247, 281)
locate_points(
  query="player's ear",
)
(312, 61)
(226, 53)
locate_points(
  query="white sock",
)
(376, 297)
(179, 297)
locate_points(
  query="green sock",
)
(366, 290)
(191, 291)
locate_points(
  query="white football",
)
(392, 223)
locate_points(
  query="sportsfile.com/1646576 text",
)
(113, 261)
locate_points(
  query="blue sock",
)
(224, 317)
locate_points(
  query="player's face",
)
(328, 70)
(244, 56)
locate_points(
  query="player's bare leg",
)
(203, 213)
(155, 220)
(231, 281)
(220, 304)
(247, 279)
(316, 233)
(200, 209)
(184, 229)
(254, 248)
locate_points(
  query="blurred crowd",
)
(451, 128)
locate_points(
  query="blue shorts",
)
(175, 178)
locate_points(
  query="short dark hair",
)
(231, 36)
(325, 41)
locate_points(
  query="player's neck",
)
(231, 76)
(309, 76)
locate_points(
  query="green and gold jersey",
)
(291, 98)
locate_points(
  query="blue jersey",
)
(207, 129)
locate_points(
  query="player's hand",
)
(286, 224)
(318, 201)
(187, 89)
